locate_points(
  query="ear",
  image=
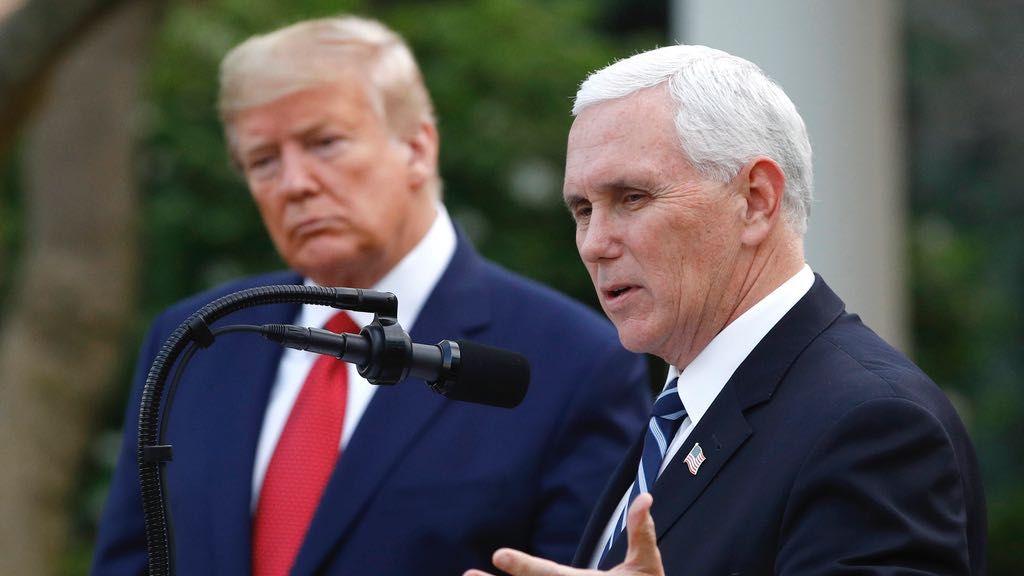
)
(763, 184)
(422, 143)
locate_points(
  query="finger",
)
(642, 554)
(475, 572)
(519, 563)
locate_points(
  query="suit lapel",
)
(396, 416)
(724, 427)
(719, 437)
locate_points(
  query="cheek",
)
(370, 167)
(271, 212)
(376, 218)
(355, 174)
(374, 196)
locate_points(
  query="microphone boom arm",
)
(152, 457)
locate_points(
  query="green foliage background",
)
(964, 80)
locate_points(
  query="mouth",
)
(617, 293)
(311, 228)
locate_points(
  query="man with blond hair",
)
(286, 463)
(790, 439)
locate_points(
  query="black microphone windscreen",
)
(490, 376)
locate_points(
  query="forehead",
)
(347, 102)
(612, 139)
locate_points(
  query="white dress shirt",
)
(412, 280)
(703, 379)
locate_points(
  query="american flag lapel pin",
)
(695, 458)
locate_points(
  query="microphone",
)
(458, 370)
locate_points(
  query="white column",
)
(840, 64)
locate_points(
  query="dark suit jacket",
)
(426, 485)
(827, 452)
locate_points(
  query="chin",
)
(331, 274)
(633, 340)
(324, 258)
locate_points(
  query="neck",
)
(756, 274)
(770, 268)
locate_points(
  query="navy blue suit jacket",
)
(426, 485)
(827, 452)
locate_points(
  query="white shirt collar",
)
(702, 381)
(412, 279)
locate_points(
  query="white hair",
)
(727, 112)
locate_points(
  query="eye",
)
(327, 145)
(581, 213)
(578, 206)
(634, 197)
(261, 166)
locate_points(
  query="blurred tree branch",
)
(33, 35)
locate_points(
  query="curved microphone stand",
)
(195, 329)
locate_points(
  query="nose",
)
(297, 177)
(600, 239)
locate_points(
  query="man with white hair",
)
(292, 464)
(790, 439)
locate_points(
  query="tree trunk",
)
(33, 34)
(73, 295)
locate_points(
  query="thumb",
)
(642, 555)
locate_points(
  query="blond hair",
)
(318, 52)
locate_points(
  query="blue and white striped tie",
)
(667, 415)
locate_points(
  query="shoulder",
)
(565, 341)
(182, 309)
(846, 382)
(538, 308)
(514, 298)
(856, 389)
(865, 367)
(883, 445)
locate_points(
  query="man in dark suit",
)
(333, 130)
(790, 438)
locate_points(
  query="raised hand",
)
(642, 555)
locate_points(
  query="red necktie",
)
(302, 462)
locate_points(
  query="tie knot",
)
(668, 405)
(341, 322)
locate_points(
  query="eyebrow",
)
(573, 201)
(626, 183)
(258, 148)
(618, 185)
(301, 131)
(304, 131)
